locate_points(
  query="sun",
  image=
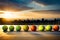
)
(8, 15)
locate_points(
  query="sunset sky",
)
(23, 9)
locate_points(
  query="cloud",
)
(20, 5)
(41, 6)
(14, 4)
(48, 2)
(40, 14)
(35, 15)
(35, 5)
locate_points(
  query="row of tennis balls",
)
(26, 28)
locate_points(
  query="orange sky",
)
(32, 15)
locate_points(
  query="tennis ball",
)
(41, 28)
(25, 27)
(56, 28)
(33, 28)
(18, 28)
(48, 28)
(11, 28)
(4, 28)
